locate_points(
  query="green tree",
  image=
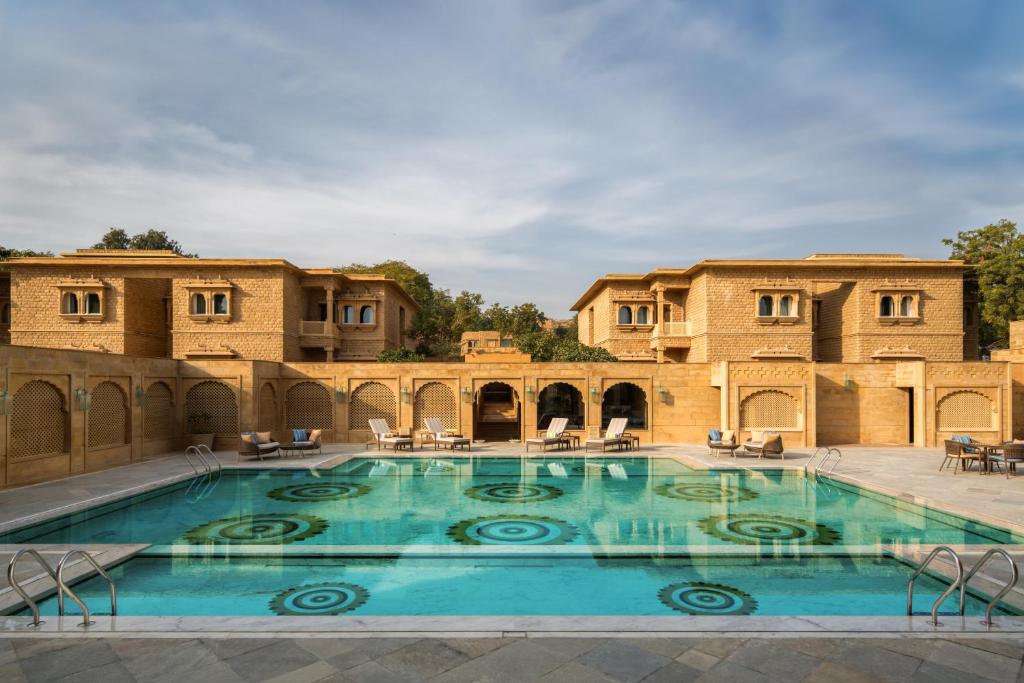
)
(512, 321)
(117, 238)
(997, 253)
(400, 355)
(7, 253)
(545, 346)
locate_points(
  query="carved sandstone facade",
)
(160, 305)
(828, 307)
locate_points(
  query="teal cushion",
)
(299, 435)
(715, 435)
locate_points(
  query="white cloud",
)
(514, 149)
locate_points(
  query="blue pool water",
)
(283, 542)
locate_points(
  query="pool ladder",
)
(825, 458)
(207, 460)
(207, 473)
(962, 580)
(62, 587)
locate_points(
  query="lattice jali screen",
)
(216, 400)
(108, 416)
(435, 399)
(39, 421)
(769, 409)
(962, 410)
(371, 401)
(308, 406)
(268, 408)
(158, 412)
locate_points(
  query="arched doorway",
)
(496, 413)
(560, 400)
(625, 400)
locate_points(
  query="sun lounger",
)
(612, 435)
(551, 437)
(444, 437)
(383, 436)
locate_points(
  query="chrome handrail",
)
(62, 587)
(825, 458)
(17, 586)
(1014, 576)
(959, 582)
(209, 452)
(189, 452)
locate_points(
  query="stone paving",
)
(620, 660)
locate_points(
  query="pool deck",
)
(512, 659)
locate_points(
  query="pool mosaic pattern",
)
(501, 519)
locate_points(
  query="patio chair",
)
(551, 436)
(612, 435)
(721, 440)
(383, 436)
(1012, 453)
(306, 440)
(770, 443)
(957, 453)
(258, 444)
(968, 443)
(444, 437)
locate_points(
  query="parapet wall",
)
(67, 412)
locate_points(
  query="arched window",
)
(220, 304)
(198, 304)
(625, 400)
(641, 315)
(348, 315)
(786, 306)
(887, 308)
(92, 303)
(69, 303)
(366, 315)
(907, 307)
(5, 315)
(765, 305)
(560, 400)
(625, 315)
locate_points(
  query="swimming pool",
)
(518, 536)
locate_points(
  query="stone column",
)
(329, 292)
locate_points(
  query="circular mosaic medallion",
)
(321, 599)
(319, 491)
(706, 493)
(512, 530)
(754, 529)
(699, 598)
(257, 529)
(513, 493)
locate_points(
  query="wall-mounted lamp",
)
(467, 395)
(84, 399)
(529, 394)
(405, 393)
(663, 393)
(339, 394)
(847, 381)
(5, 402)
(140, 394)
(595, 394)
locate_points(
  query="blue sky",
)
(517, 149)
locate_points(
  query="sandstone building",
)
(865, 350)
(161, 305)
(826, 307)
